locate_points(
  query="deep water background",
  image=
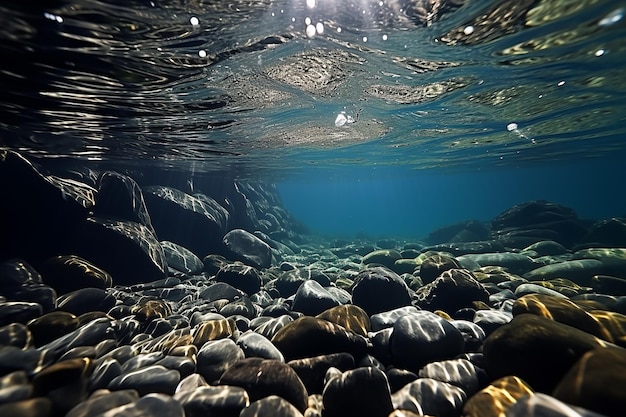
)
(396, 202)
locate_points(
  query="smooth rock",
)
(150, 379)
(348, 316)
(596, 382)
(458, 372)
(430, 397)
(215, 357)
(264, 377)
(313, 370)
(580, 271)
(127, 250)
(312, 299)
(308, 336)
(423, 337)
(243, 246)
(271, 406)
(536, 349)
(181, 258)
(378, 289)
(70, 273)
(256, 345)
(497, 398)
(243, 277)
(453, 290)
(208, 401)
(197, 227)
(358, 392)
(153, 405)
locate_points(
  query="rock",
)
(398, 378)
(215, 357)
(312, 299)
(490, 320)
(458, 372)
(453, 290)
(434, 265)
(545, 406)
(213, 263)
(153, 405)
(580, 271)
(385, 257)
(51, 326)
(423, 337)
(37, 210)
(378, 289)
(547, 248)
(85, 300)
(219, 401)
(605, 284)
(272, 405)
(533, 219)
(497, 398)
(126, 250)
(18, 312)
(220, 291)
(197, 226)
(469, 231)
(473, 334)
(243, 277)
(34, 407)
(69, 273)
(530, 289)
(308, 336)
(272, 326)
(388, 318)
(212, 330)
(240, 308)
(16, 335)
(103, 373)
(358, 392)
(150, 379)
(430, 397)
(538, 350)
(265, 377)
(64, 383)
(245, 247)
(312, 371)
(516, 263)
(89, 334)
(348, 316)
(119, 197)
(596, 382)
(256, 345)
(563, 311)
(103, 402)
(608, 233)
(181, 258)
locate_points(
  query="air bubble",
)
(194, 21)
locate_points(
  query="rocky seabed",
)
(120, 299)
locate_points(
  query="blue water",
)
(394, 202)
(388, 117)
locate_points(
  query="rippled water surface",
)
(274, 86)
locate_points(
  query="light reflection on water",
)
(277, 84)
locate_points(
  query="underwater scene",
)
(313, 208)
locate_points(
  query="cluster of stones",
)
(117, 299)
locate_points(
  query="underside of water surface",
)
(268, 87)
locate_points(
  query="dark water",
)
(381, 117)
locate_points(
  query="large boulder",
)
(243, 246)
(185, 220)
